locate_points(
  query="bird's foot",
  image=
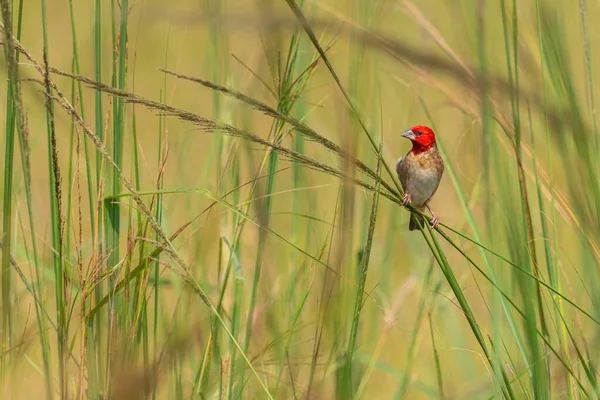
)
(434, 220)
(406, 200)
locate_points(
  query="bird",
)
(420, 172)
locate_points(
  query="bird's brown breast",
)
(420, 174)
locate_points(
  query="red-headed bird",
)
(420, 173)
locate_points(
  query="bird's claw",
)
(406, 200)
(434, 222)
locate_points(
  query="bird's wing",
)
(401, 171)
(398, 165)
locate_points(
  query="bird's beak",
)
(409, 134)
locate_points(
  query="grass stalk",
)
(296, 187)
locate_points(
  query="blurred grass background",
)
(240, 236)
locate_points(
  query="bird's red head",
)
(422, 138)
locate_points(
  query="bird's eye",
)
(418, 133)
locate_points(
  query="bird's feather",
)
(420, 175)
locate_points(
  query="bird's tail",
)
(413, 225)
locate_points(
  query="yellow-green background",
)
(408, 322)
